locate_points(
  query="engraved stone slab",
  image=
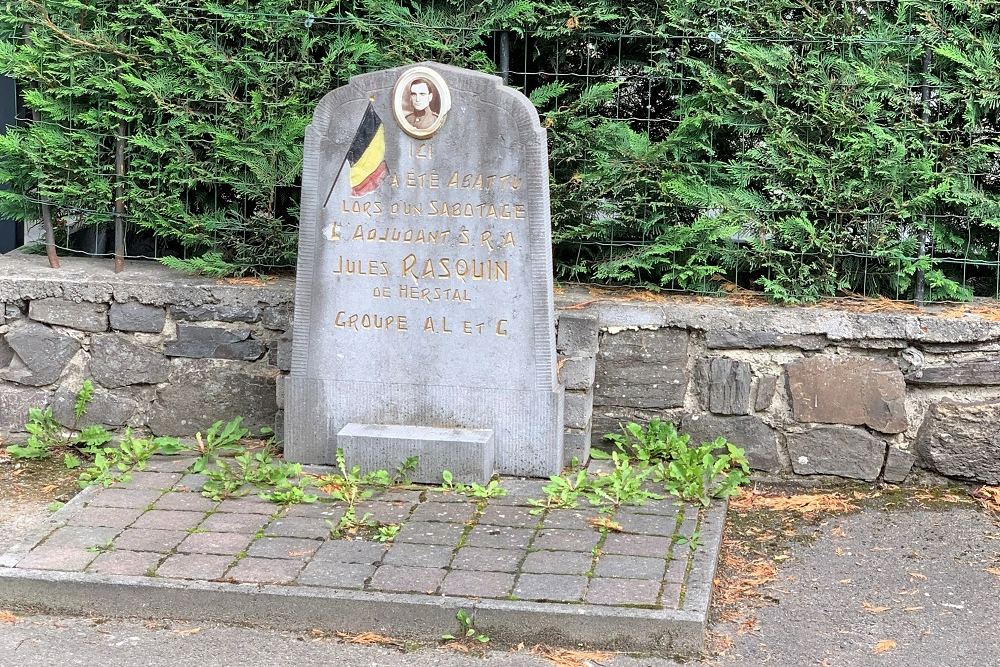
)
(467, 453)
(424, 284)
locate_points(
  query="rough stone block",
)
(14, 405)
(577, 372)
(897, 465)
(39, 354)
(109, 408)
(736, 339)
(579, 408)
(576, 444)
(836, 450)
(958, 373)
(577, 333)
(135, 316)
(758, 439)
(207, 342)
(6, 352)
(277, 317)
(202, 391)
(299, 526)
(766, 387)
(467, 453)
(283, 353)
(117, 361)
(727, 385)
(84, 316)
(960, 440)
(169, 520)
(279, 391)
(215, 312)
(642, 369)
(848, 390)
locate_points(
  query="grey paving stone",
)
(558, 562)
(223, 544)
(569, 519)
(566, 540)
(125, 563)
(507, 515)
(184, 500)
(169, 464)
(231, 522)
(193, 483)
(112, 517)
(247, 505)
(138, 498)
(499, 537)
(283, 547)
(169, 520)
(399, 496)
(322, 511)
(80, 536)
(636, 545)
(647, 524)
(487, 560)
(667, 506)
(623, 591)
(151, 481)
(351, 551)
(418, 555)
(630, 567)
(520, 491)
(677, 567)
(150, 539)
(299, 526)
(194, 566)
(477, 584)
(400, 579)
(671, 598)
(550, 587)
(62, 558)
(436, 495)
(265, 571)
(385, 512)
(431, 533)
(447, 512)
(335, 575)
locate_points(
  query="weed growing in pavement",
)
(466, 630)
(220, 440)
(692, 542)
(114, 463)
(102, 548)
(713, 470)
(44, 434)
(386, 532)
(492, 489)
(624, 485)
(562, 492)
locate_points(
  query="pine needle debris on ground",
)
(561, 657)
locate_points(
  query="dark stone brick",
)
(448, 512)
(223, 544)
(112, 517)
(335, 575)
(501, 515)
(299, 526)
(750, 433)
(727, 384)
(578, 408)
(499, 537)
(80, 537)
(569, 519)
(192, 483)
(277, 317)
(630, 567)
(897, 465)
(735, 339)
(766, 386)
(520, 491)
(41, 354)
(642, 369)
(283, 351)
(15, 403)
(194, 566)
(205, 342)
(351, 551)
(322, 511)
(636, 545)
(247, 505)
(108, 408)
(623, 592)
(215, 312)
(229, 522)
(557, 562)
(431, 533)
(960, 440)
(169, 520)
(566, 540)
(182, 500)
(61, 558)
(386, 512)
(125, 563)
(477, 584)
(487, 560)
(174, 463)
(577, 333)
(84, 316)
(117, 361)
(134, 316)
(647, 524)
(265, 571)
(418, 555)
(407, 579)
(139, 498)
(577, 372)
(150, 539)
(149, 481)
(836, 450)
(958, 373)
(550, 587)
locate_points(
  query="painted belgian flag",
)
(367, 154)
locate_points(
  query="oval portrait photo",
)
(421, 101)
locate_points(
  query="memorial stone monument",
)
(424, 320)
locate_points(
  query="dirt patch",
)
(27, 488)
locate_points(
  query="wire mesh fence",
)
(805, 150)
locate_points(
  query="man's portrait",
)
(421, 101)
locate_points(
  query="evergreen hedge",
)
(803, 148)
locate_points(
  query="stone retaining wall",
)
(807, 391)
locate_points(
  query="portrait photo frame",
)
(421, 100)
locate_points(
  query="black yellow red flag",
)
(367, 154)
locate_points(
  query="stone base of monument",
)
(153, 547)
(467, 453)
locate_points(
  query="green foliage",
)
(219, 440)
(492, 489)
(562, 492)
(83, 399)
(624, 485)
(43, 435)
(115, 463)
(466, 630)
(702, 473)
